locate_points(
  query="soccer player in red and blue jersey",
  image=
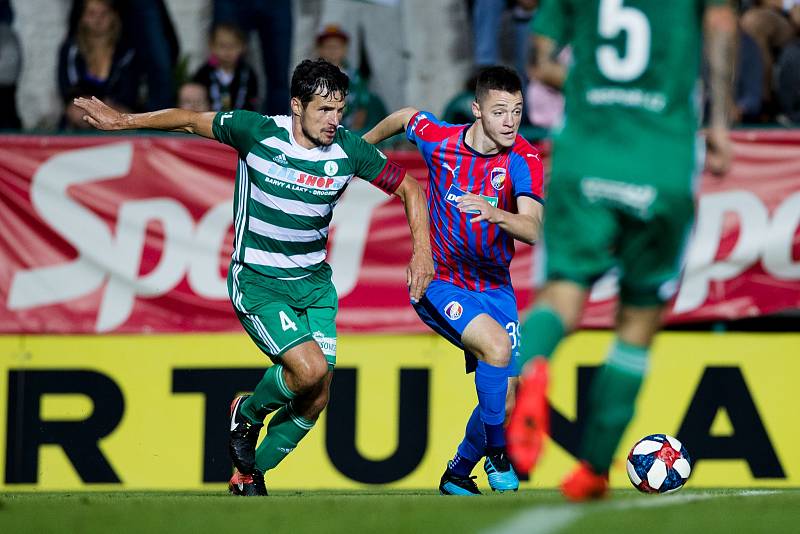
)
(485, 191)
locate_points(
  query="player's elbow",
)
(409, 189)
(405, 115)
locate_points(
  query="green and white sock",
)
(612, 400)
(284, 432)
(270, 394)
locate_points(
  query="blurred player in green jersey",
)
(621, 195)
(292, 171)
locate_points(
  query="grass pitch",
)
(702, 511)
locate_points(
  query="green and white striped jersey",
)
(285, 194)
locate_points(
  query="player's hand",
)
(484, 211)
(100, 115)
(419, 274)
(719, 151)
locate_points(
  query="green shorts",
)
(593, 225)
(281, 314)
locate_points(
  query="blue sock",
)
(472, 447)
(461, 466)
(492, 383)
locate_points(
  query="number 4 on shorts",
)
(286, 323)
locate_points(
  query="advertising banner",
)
(132, 234)
(151, 412)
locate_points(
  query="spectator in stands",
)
(772, 24)
(787, 81)
(545, 103)
(148, 29)
(364, 109)
(749, 81)
(231, 83)
(194, 97)
(458, 109)
(272, 21)
(487, 19)
(94, 61)
(10, 60)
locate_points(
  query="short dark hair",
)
(230, 28)
(317, 76)
(499, 78)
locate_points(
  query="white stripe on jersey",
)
(237, 295)
(284, 234)
(265, 337)
(276, 259)
(292, 207)
(241, 208)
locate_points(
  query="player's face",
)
(320, 118)
(500, 114)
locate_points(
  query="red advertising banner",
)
(133, 234)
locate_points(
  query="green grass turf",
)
(703, 511)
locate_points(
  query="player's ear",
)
(476, 109)
(296, 105)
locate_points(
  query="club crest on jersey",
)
(331, 168)
(453, 310)
(454, 193)
(498, 177)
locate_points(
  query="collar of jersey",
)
(475, 152)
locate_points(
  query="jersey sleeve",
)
(238, 129)
(527, 173)
(553, 20)
(372, 165)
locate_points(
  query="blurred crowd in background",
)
(127, 53)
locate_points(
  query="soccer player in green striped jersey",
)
(620, 196)
(292, 170)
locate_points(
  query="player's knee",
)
(498, 351)
(310, 373)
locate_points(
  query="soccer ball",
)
(659, 464)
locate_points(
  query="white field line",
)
(550, 519)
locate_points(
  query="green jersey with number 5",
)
(632, 89)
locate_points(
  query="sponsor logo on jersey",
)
(453, 310)
(314, 181)
(326, 344)
(498, 176)
(454, 193)
(280, 159)
(331, 168)
(453, 170)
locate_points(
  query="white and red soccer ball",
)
(659, 464)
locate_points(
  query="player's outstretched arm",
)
(392, 125)
(523, 226)
(104, 117)
(720, 31)
(420, 269)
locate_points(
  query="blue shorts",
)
(448, 309)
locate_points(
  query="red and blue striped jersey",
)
(475, 256)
